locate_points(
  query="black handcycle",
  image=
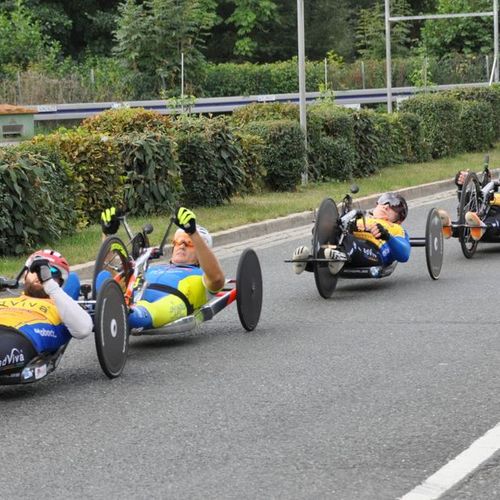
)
(332, 223)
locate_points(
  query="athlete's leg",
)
(361, 253)
(155, 314)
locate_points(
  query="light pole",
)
(302, 78)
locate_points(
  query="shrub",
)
(269, 111)
(440, 118)
(36, 202)
(94, 168)
(369, 143)
(152, 176)
(252, 148)
(284, 152)
(410, 137)
(127, 120)
(477, 132)
(210, 160)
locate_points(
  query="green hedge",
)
(264, 112)
(152, 182)
(477, 129)
(284, 153)
(440, 118)
(210, 160)
(94, 166)
(36, 200)
(126, 120)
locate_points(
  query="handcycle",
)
(331, 226)
(20, 363)
(478, 194)
(126, 281)
(109, 306)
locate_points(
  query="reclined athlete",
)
(46, 316)
(484, 225)
(378, 239)
(172, 291)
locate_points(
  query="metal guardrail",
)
(350, 98)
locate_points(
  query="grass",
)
(83, 245)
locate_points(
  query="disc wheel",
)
(111, 330)
(434, 244)
(325, 233)
(470, 201)
(113, 257)
(249, 289)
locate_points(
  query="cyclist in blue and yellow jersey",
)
(46, 316)
(172, 291)
(378, 239)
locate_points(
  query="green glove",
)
(186, 220)
(109, 220)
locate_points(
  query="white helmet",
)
(203, 232)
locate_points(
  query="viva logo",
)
(16, 356)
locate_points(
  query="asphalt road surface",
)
(362, 396)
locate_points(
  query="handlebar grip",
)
(8, 283)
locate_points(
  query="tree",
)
(21, 39)
(152, 35)
(467, 35)
(370, 32)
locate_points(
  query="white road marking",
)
(459, 468)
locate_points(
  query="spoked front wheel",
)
(470, 201)
(325, 233)
(113, 261)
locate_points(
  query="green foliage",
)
(369, 143)
(476, 119)
(210, 159)
(151, 36)
(440, 118)
(126, 120)
(331, 140)
(252, 149)
(488, 95)
(35, 201)
(263, 112)
(370, 31)
(152, 177)
(467, 35)
(284, 152)
(93, 165)
(247, 16)
(21, 39)
(408, 137)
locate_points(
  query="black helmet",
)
(396, 202)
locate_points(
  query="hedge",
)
(210, 160)
(284, 153)
(440, 118)
(36, 199)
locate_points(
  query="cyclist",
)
(173, 290)
(45, 316)
(376, 239)
(485, 224)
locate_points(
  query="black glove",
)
(186, 220)
(384, 233)
(109, 220)
(41, 267)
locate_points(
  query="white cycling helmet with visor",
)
(396, 202)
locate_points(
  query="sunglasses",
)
(186, 243)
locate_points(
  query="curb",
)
(262, 228)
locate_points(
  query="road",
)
(362, 396)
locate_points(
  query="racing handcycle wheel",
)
(113, 257)
(434, 244)
(325, 232)
(111, 330)
(470, 201)
(249, 289)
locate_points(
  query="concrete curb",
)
(256, 229)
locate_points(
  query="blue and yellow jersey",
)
(38, 319)
(185, 278)
(396, 248)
